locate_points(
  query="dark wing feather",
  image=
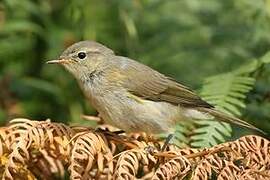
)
(149, 84)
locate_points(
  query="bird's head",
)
(84, 57)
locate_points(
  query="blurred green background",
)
(186, 39)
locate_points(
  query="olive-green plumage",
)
(132, 96)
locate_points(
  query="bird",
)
(132, 96)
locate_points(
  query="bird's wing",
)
(147, 83)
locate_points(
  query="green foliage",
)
(227, 92)
(210, 133)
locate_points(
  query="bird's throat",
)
(91, 78)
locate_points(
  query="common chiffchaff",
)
(133, 96)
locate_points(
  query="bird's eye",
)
(81, 55)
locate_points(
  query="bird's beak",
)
(60, 61)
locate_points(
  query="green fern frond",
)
(227, 92)
(266, 58)
(182, 132)
(210, 133)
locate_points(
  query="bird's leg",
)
(163, 148)
(167, 142)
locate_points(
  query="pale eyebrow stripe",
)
(92, 51)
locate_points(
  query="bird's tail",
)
(229, 119)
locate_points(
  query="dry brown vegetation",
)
(46, 150)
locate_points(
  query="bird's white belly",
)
(135, 115)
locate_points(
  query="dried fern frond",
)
(27, 139)
(132, 161)
(254, 174)
(177, 167)
(46, 167)
(254, 149)
(43, 149)
(4, 141)
(245, 154)
(90, 149)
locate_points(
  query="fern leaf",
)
(176, 168)
(90, 149)
(210, 133)
(227, 93)
(181, 133)
(266, 58)
(131, 161)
